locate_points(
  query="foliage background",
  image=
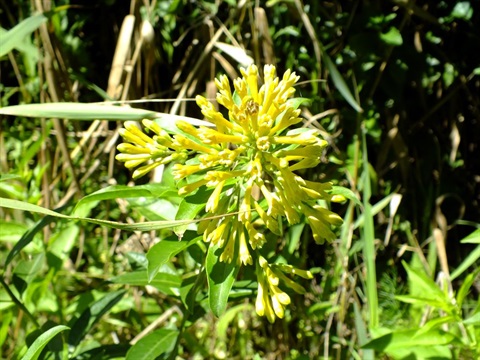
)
(413, 66)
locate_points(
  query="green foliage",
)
(94, 267)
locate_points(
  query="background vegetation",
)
(394, 88)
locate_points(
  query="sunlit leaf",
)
(91, 315)
(153, 345)
(38, 345)
(10, 39)
(160, 253)
(221, 277)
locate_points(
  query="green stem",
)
(186, 313)
(18, 302)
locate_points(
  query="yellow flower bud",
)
(244, 253)
(214, 198)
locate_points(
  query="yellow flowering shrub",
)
(249, 161)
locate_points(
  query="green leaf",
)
(298, 101)
(393, 37)
(78, 111)
(153, 345)
(160, 253)
(5, 177)
(339, 82)
(428, 288)
(473, 320)
(466, 263)
(11, 231)
(225, 320)
(374, 209)
(423, 301)
(10, 39)
(368, 236)
(28, 269)
(165, 282)
(85, 204)
(27, 237)
(404, 339)
(347, 193)
(62, 242)
(466, 286)
(473, 238)
(462, 10)
(106, 352)
(221, 277)
(91, 315)
(36, 348)
(190, 207)
(434, 324)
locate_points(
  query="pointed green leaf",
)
(428, 288)
(466, 286)
(85, 204)
(92, 315)
(27, 237)
(298, 101)
(10, 39)
(339, 82)
(221, 277)
(36, 348)
(165, 282)
(392, 37)
(153, 345)
(190, 207)
(160, 253)
(473, 238)
(406, 339)
(105, 352)
(473, 320)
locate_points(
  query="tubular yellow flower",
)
(246, 205)
(133, 134)
(187, 189)
(251, 77)
(271, 298)
(308, 137)
(218, 235)
(210, 136)
(181, 171)
(187, 128)
(142, 170)
(244, 253)
(270, 222)
(211, 114)
(274, 207)
(256, 238)
(212, 203)
(186, 143)
(228, 250)
(127, 148)
(224, 95)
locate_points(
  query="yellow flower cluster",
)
(271, 300)
(249, 162)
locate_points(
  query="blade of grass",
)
(77, 111)
(368, 235)
(15, 36)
